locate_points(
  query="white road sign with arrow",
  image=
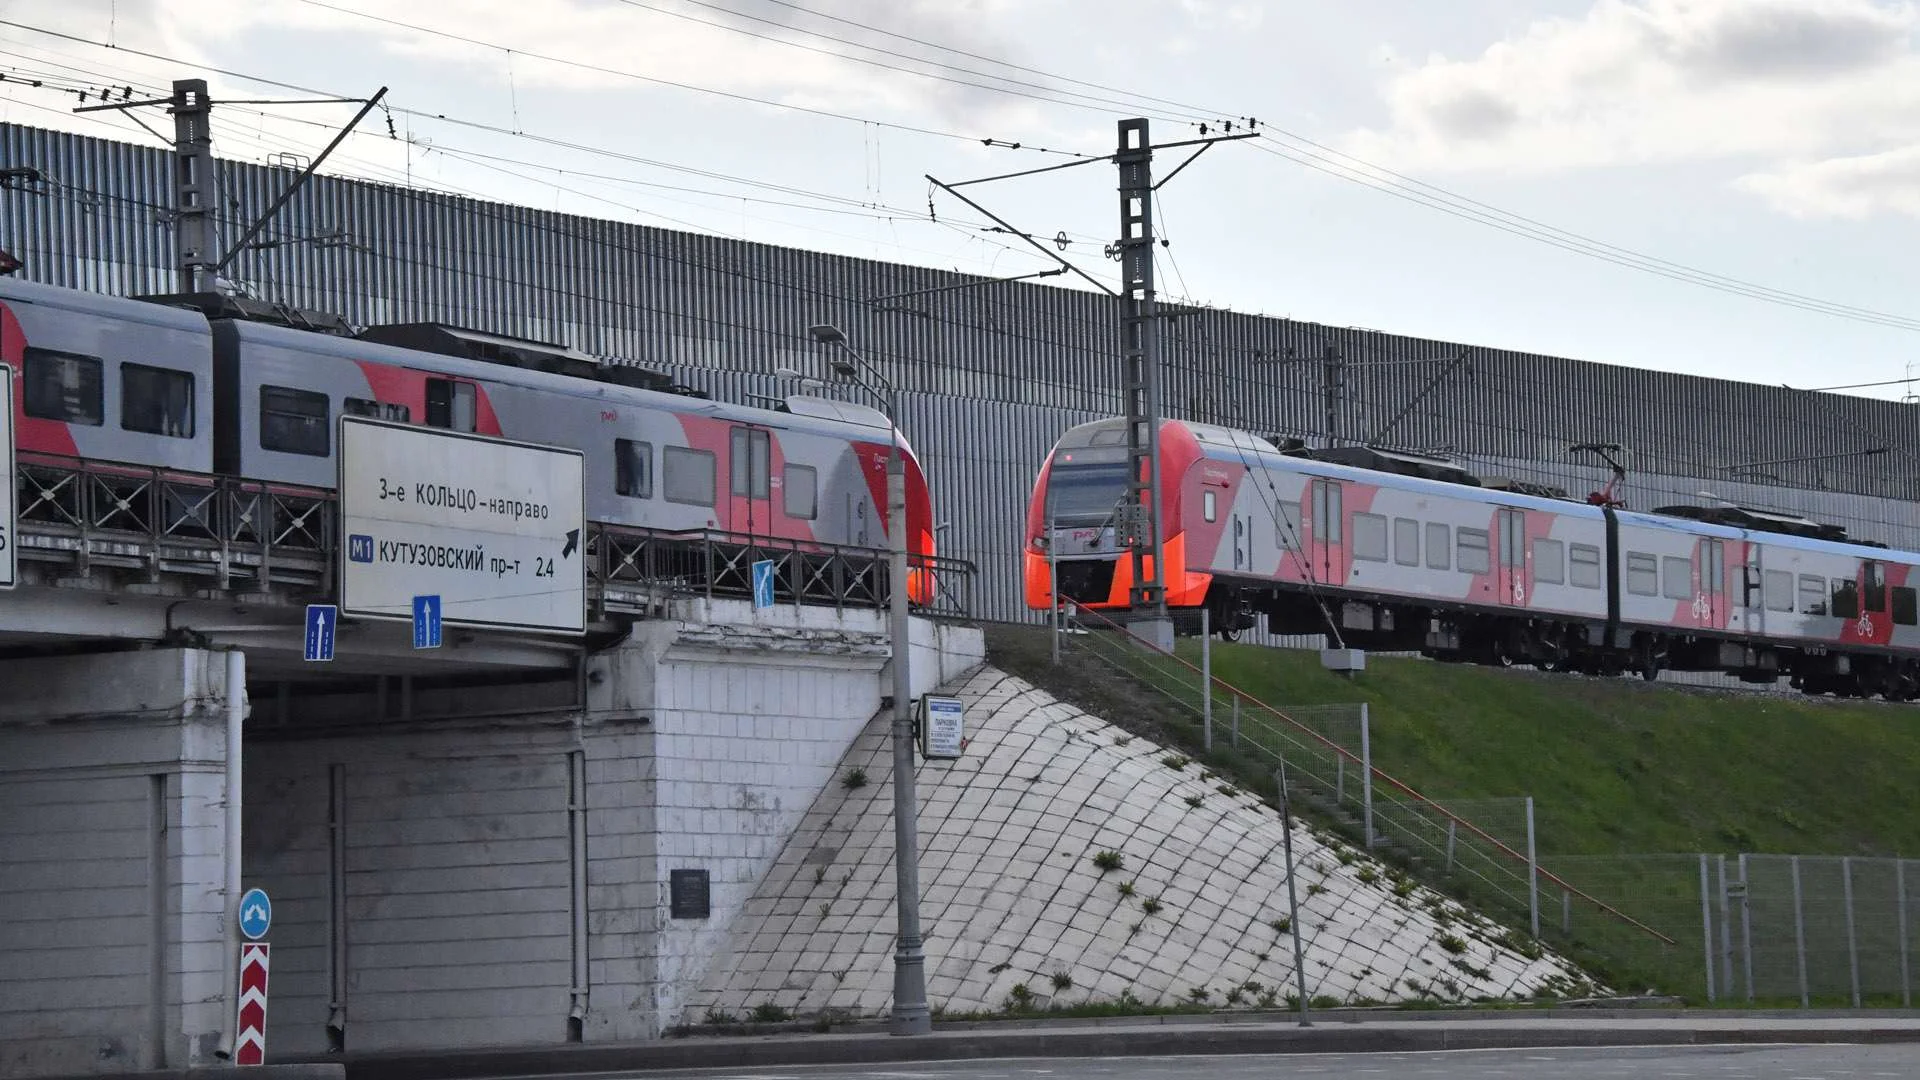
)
(492, 527)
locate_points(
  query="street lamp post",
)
(910, 1014)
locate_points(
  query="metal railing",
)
(251, 535)
(1424, 827)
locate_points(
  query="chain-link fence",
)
(1814, 929)
(1481, 849)
(1767, 929)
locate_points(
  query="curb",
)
(303, 1070)
(959, 1046)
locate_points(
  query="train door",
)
(452, 404)
(751, 463)
(1329, 521)
(1713, 582)
(1751, 603)
(1510, 563)
(1873, 596)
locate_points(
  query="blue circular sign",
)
(256, 914)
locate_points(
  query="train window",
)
(1370, 537)
(1208, 509)
(62, 386)
(1776, 590)
(1876, 590)
(687, 475)
(1472, 557)
(1549, 561)
(1676, 578)
(1287, 527)
(1905, 608)
(633, 468)
(1583, 566)
(294, 421)
(800, 491)
(450, 404)
(1813, 594)
(752, 450)
(379, 410)
(156, 401)
(1439, 546)
(1846, 599)
(1406, 541)
(1643, 574)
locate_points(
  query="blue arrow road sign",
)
(763, 583)
(256, 914)
(426, 622)
(321, 620)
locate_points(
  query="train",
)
(225, 385)
(1397, 551)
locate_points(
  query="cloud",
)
(1847, 187)
(673, 42)
(1649, 81)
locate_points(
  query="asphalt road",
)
(1831, 1062)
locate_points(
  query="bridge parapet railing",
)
(85, 512)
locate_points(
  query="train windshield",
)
(1079, 494)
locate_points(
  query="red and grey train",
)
(1396, 552)
(204, 384)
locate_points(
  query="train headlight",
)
(1040, 543)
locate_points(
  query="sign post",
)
(250, 1032)
(447, 527)
(9, 527)
(426, 622)
(763, 583)
(322, 621)
(943, 729)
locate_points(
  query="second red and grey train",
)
(1382, 557)
(157, 384)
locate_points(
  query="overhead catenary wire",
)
(49, 110)
(1317, 158)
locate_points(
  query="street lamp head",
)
(844, 367)
(787, 373)
(827, 334)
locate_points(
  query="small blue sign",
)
(426, 622)
(321, 621)
(256, 914)
(360, 547)
(763, 583)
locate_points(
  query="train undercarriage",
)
(1496, 640)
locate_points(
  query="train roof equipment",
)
(223, 305)
(527, 353)
(1771, 521)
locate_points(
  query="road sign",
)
(942, 727)
(250, 1033)
(322, 620)
(494, 528)
(256, 914)
(763, 583)
(426, 622)
(9, 531)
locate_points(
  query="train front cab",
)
(1070, 528)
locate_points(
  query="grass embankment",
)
(1616, 767)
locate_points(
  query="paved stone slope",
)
(1014, 905)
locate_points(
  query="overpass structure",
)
(487, 818)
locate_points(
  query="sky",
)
(1728, 188)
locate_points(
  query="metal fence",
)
(1816, 929)
(142, 522)
(1328, 755)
